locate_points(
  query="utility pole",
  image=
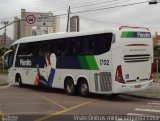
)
(5, 29)
(69, 12)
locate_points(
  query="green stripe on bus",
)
(124, 34)
(92, 62)
(130, 35)
(83, 62)
(127, 35)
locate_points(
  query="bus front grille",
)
(136, 58)
(103, 82)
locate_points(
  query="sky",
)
(143, 15)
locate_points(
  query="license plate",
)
(137, 86)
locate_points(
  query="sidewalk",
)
(3, 80)
(153, 93)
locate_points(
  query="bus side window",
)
(58, 52)
(76, 45)
(92, 44)
(86, 45)
(103, 43)
(73, 48)
(53, 46)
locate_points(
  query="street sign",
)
(39, 19)
(30, 19)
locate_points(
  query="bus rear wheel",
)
(70, 87)
(83, 88)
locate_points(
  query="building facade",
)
(21, 29)
(74, 24)
(156, 39)
(5, 42)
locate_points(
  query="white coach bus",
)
(104, 62)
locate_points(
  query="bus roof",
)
(59, 35)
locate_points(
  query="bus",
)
(109, 61)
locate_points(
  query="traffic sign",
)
(31, 19)
(39, 19)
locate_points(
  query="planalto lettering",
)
(143, 34)
(25, 62)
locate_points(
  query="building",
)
(16, 28)
(21, 29)
(156, 39)
(74, 24)
(5, 41)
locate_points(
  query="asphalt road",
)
(36, 104)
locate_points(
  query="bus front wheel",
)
(19, 80)
(70, 87)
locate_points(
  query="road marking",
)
(24, 104)
(147, 110)
(65, 110)
(154, 103)
(13, 97)
(28, 113)
(51, 101)
(72, 108)
(135, 114)
(15, 93)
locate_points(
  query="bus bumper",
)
(123, 88)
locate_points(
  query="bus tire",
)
(19, 80)
(69, 86)
(83, 88)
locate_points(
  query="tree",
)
(156, 51)
(2, 51)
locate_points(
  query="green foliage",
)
(157, 51)
(2, 51)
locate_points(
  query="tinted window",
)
(92, 44)
(82, 45)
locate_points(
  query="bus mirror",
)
(6, 59)
(2, 58)
(53, 60)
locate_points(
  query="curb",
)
(142, 97)
(3, 83)
(5, 86)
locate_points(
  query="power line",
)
(80, 5)
(92, 10)
(8, 24)
(96, 3)
(118, 6)
(53, 4)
